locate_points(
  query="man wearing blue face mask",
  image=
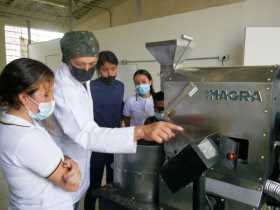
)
(140, 106)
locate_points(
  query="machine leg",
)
(199, 194)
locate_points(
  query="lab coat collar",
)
(66, 73)
(14, 120)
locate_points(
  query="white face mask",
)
(45, 110)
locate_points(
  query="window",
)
(16, 40)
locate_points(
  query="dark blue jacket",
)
(107, 102)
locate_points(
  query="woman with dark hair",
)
(140, 106)
(37, 173)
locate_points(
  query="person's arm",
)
(159, 132)
(47, 160)
(85, 132)
(66, 177)
(90, 136)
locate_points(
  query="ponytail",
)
(152, 91)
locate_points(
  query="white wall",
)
(46, 52)
(216, 31)
(262, 46)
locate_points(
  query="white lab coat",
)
(76, 131)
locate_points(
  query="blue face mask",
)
(45, 110)
(143, 89)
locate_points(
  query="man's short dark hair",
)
(106, 56)
(158, 96)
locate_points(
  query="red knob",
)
(231, 156)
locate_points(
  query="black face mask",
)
(81, 74)
(108, 80)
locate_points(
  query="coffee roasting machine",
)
(227, 156)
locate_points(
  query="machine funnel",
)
(169, 52)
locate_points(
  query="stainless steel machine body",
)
(241, 104)
(238, 105)
(138, 174)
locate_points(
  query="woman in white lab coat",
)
(36, 171)
(76, 129)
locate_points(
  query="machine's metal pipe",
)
(186, 38)
(272, 188)
(202, 58)
(188, 91)
(124, 62)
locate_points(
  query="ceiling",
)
(53, 10)
(57, 12)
